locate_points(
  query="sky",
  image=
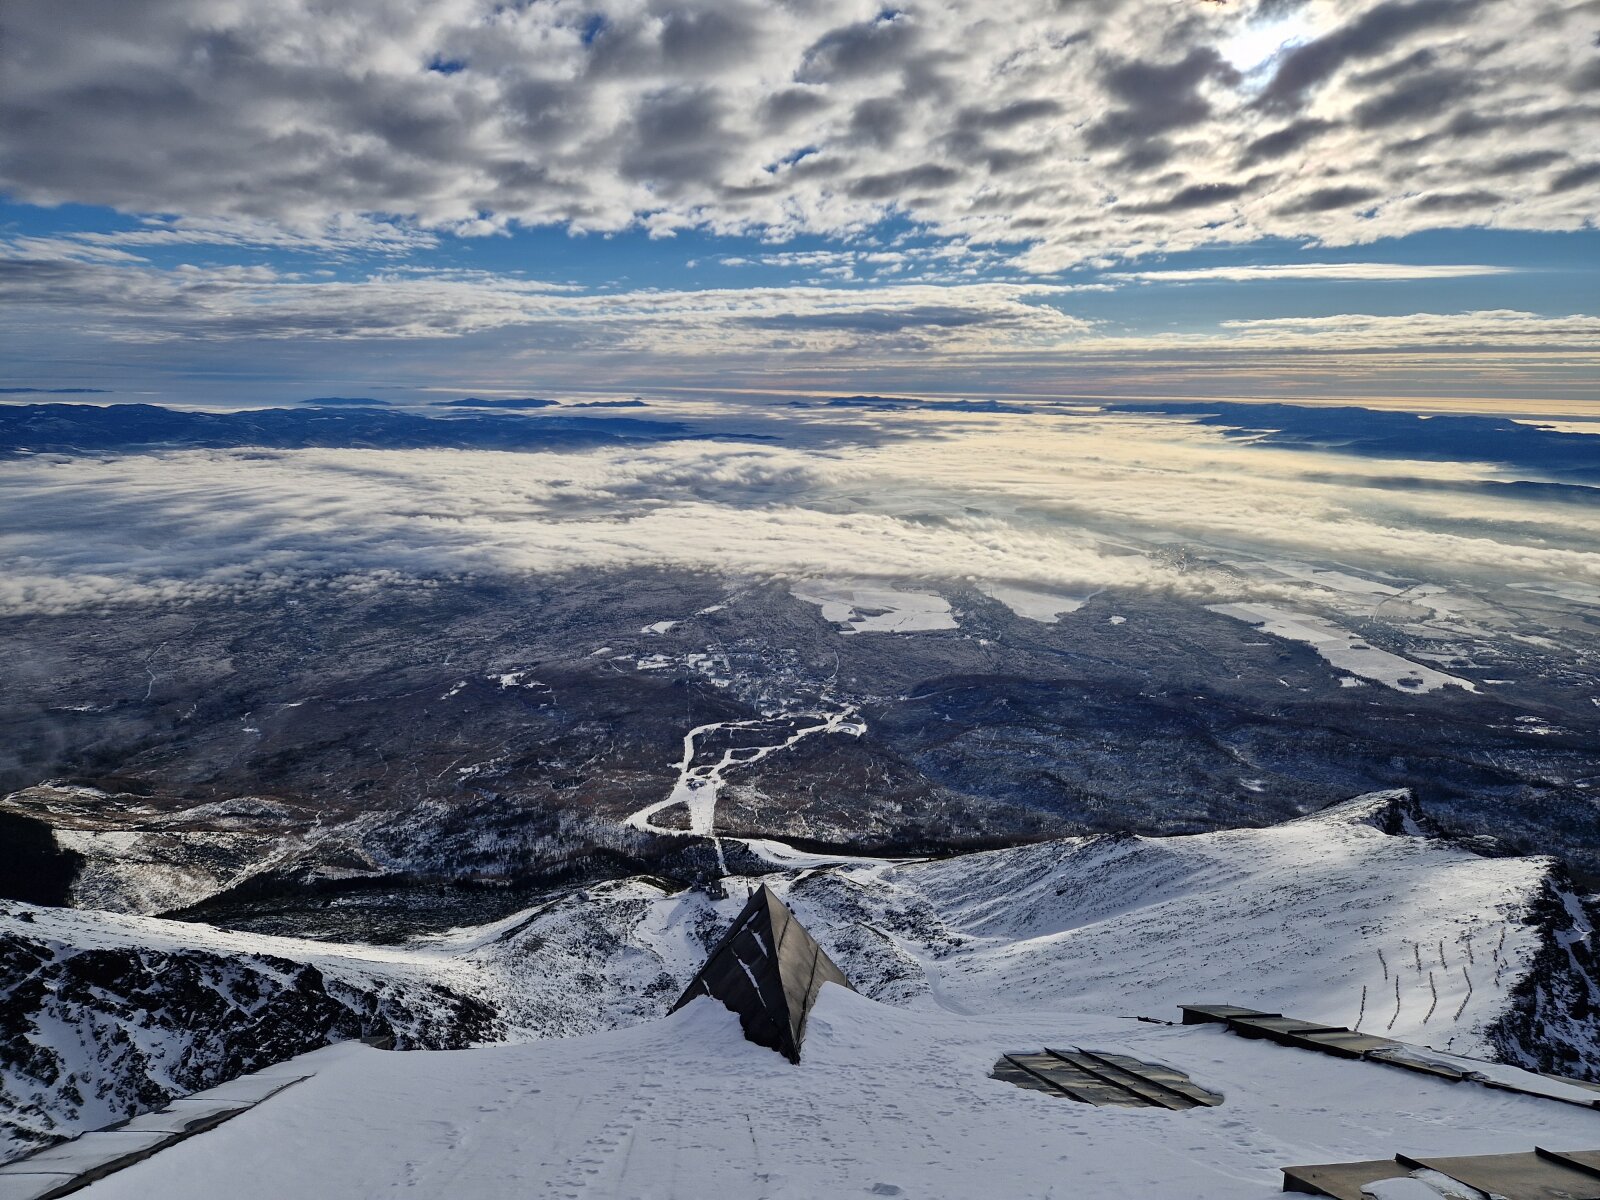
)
(739, 210)
(219, 203)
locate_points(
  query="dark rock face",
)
(32, 868)
(1401, 815)
(90, 1036)
(1554, 1021)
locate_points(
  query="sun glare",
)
(1258, 41)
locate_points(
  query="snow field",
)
(868, 608)
(885, 1103)
(1326, 918)
(1033, 604)
(1342, 649)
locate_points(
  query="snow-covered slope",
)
(1482, 956)
(886, 1102)
(1302, 917)
(103, 1016)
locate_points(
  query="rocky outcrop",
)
(1553, 1021)
(92, 1035)
(1396, 812)
(34, 868)
(125, 852)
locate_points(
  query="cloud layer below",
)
(1072, 501)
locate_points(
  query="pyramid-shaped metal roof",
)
(768, 969)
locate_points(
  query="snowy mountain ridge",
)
(1356, 915)
(886, 1102)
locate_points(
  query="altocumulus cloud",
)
(1066, 131)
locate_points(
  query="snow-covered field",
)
(1342, 649)
(1328, 918)
(1033, 603)
(869, 608)
(885, 1102)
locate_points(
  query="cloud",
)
(1319, 200)
(1523, 331)
(1319, 271)
(268, 521)
(1066, 132)
(1374, 31)
(1530, 449)
(1075, 502)
(136, 302)
(343, 233)
(1487, 336)
(477, 330)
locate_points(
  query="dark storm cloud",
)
(1416, 98)
(1457, 201)
(1516, 164)
(1576, 177)
(1411, 63)
(677, 138)
(1197, 195)
(870, 48)
(790, 106)
(879, 121)
(1009, 116)
(1586, 78)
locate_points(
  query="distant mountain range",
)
(474, 402)
(1379, 433)
(121, 428)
